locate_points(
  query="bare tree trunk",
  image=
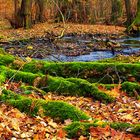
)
(116, 10)
(129, 11)
(40, 12)
(26, 13)
(17, 20)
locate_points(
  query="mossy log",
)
(2, 78)
(58, 110)
(17, 75)
(104, 72)
(6, 59)
(131, 88)
(76, 87)
(92, 71)
(76, 129)
(28, 89)
(59, 85)
(2, 75)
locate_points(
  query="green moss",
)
(55, 109)
(24, 105)
(6, 59)
(92, 71)
(63, 111)
(68, 86)
(2, 77)
(120, 125)
(61, 86)
(35, 67)
(17, 75)
(131, 88)
(75, 87)
(136, 129)
(77, 129)
(106, 86)
(2, 51)
(29, 89)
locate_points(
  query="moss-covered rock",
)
(131, 88)
(58, 110)
(120, 125)
(106, 86)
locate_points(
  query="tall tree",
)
(25, 13)
(128, 12)
(22, 13)
(116, 10)
(40, 12)
(17, 20)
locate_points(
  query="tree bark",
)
(128, 12)
(116, 10)
(17, 20)
(26, 13)
(41, 11)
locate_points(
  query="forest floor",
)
(16, 125)
(47, 39)
(40, 30)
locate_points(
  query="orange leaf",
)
(61, 133)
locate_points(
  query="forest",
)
(70, 70)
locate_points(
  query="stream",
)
(129, 46)
(87, 47)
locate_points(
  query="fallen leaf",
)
(61, 133)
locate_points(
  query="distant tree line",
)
(28, 12)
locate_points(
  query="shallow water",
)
(129, 45)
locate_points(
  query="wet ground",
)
(74, 47)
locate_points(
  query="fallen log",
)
(58, 110)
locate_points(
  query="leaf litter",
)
(15, 125)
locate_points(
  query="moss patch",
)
(92, 71)
(6, 59)
(62, 86)
(56, 109)
(132, 89)
(76, 87)
(77, 129)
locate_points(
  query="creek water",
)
(129, 45)
(74, 47)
